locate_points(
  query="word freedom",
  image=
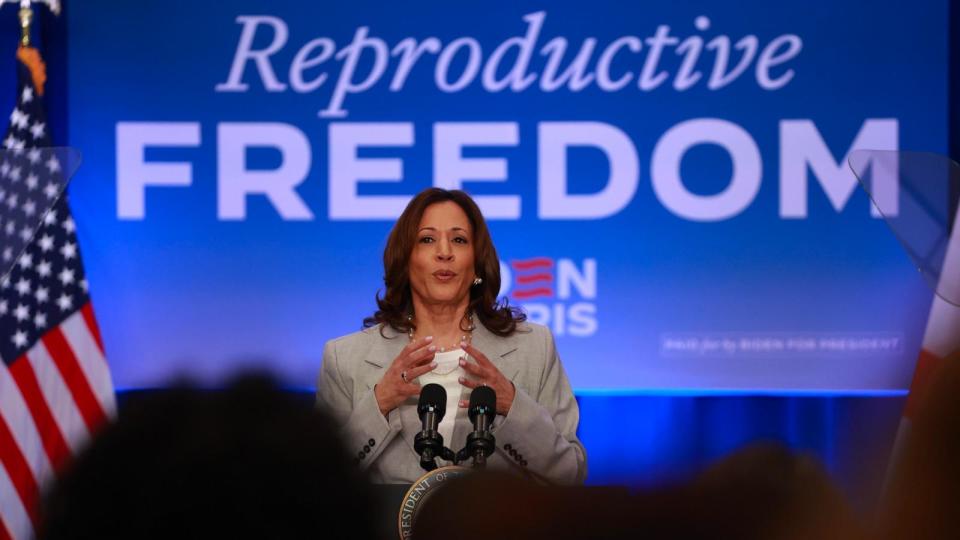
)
(512, 64)
(804, 156)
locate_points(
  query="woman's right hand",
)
(397, 384)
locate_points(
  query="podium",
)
(390, 499)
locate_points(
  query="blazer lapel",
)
(499, 350)
(387, 347)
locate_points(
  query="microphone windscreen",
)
(433, 395)
(483, 398)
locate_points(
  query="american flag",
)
(941, 338)
(55, 387)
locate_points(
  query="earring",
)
(477, 281)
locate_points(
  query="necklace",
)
(465, 338)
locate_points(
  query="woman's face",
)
(441, 265)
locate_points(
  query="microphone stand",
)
(428, 461)
(480, 443)
(429, 444)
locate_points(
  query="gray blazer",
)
(538, 436)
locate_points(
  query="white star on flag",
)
(19, 119)
(20, 338)
(26, 261)
(22, 286)
(69, 250)
(37, 130)
(64, 302)
(66, 276)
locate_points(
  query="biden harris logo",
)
(558, 293)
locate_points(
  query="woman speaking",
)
(439, 322)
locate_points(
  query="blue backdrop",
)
(666, 185)
(719, 245)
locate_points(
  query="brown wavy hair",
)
(396, 303)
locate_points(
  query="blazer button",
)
(524, 463)
(366, 449)
(361, 455)
(513, 453)
(507, 447)
(371, 442)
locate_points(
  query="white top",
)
(447, 374)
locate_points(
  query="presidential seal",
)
(420, 491)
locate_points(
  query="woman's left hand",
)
(486, 374)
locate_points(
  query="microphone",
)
(431, 408)
(482, 410)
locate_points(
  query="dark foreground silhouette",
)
(246, 462)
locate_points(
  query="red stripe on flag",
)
(18, 471)
(529, 264)
(53, 441)
(4, 533)
(530, 278)
(91, 321)
(926, 364)
(73, 375)
(532, 293)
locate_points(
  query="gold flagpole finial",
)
(26, 17)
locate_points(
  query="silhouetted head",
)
(249, 461)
